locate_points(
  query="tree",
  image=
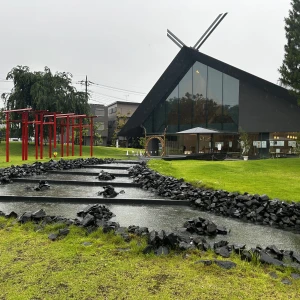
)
(44, 91)
(2, 124)
(121, 120)
(97, 136)
(290, 69)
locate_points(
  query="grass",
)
(109, 268)
(98, 151)
(33, 267)
(278, 178)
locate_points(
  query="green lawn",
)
(278, 178)
(33, 267)
(98, 151)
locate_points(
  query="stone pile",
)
(37, 168)
(105, 176)
(258, 209)
(161, 242)
(203, 226)
(109, 192)
(43, 185)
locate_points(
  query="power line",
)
(109, 96)
(114, 88)
(97, 101)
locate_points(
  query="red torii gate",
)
(39, 125)
(66, 124)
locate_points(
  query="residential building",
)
(100, 122)
(119, 113)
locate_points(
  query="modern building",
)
(197, 90)
(119, 113)
(100, 124)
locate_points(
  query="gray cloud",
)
(124, 44)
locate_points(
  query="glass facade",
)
(204, 97)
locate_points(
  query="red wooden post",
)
(26, 136)
(23, 134)
(61, 139)
(73, 136)
(68, 134)
(80, 136)
(41, 135)
(54, 131)
(50, 139)
(92, 135)
(36, 136)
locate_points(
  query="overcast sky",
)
(123, 43)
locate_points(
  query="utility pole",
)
(86, 86)
(86, 83)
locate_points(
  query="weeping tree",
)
(290, 68)
(44, 91)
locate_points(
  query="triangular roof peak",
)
(180, 65)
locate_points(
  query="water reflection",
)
(167, 218)
(89, 178)
(60, 190)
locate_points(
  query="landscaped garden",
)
(278, 178)
(103, 266)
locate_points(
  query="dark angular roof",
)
(176, 71)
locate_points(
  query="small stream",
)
(152, 216)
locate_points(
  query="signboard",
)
(292, 144)
(277, 143)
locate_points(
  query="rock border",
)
(257, 209)
(190, 237)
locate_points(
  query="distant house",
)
(118, 114)
(101, 121)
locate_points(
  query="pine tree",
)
(290, 69)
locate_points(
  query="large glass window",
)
(186, 101)
(204, 97)
(214, 99)
(199, 95)
(230, 103)
(172, 111)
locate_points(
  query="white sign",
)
(292, 144)
(276, 143)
